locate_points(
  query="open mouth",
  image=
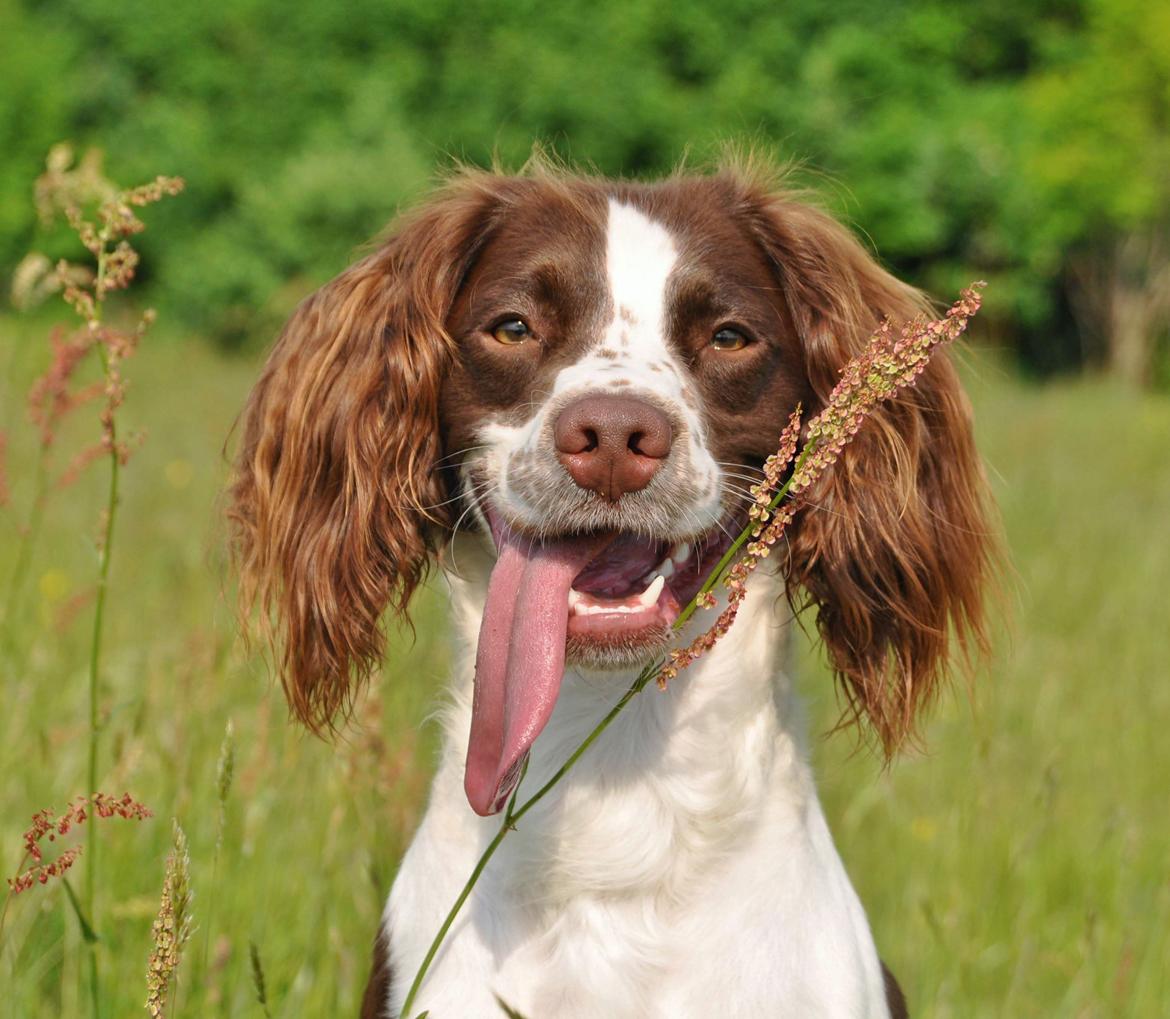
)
(633, 590)
(597, 599)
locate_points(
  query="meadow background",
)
(1017, 867)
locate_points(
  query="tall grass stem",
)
(95, 651)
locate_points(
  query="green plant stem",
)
(95, 650)
(95, 1000)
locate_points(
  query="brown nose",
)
(612, 445)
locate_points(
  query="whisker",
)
(809, 504)
(744, 477)
(740, 466)
(737, 489)
(463, 479)
(743, 497)
(461, 452)
(474, 496)
(720, 525)
(445, 502)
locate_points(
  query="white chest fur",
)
(684, 868)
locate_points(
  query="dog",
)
(559, 388)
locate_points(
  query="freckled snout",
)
(612, 445)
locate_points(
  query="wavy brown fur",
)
(896, 546)
(335, 496)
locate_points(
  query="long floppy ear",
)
(895, 546)
(335, 497)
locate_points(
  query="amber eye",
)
(511, 332)
(729, 339)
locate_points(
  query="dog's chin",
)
(617, 652)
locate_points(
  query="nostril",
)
(612, 445)
(653, 440)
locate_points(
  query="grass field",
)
(1019, 867)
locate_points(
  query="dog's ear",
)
(895, 545)
(335, 499)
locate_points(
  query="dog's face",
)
(623, 361)
(592, 374)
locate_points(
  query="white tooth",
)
(650, 596)
(681, 552)
(574, 601)
(666, 569)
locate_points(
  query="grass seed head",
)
(890, 363)
(171, 929)
(48, 827)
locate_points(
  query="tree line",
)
(1026, 141)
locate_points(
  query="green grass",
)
(1017, 868)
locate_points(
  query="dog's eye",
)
(729, 339)
(511, 332)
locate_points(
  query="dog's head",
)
(592, 373)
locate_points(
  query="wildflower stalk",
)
(104, 236)
(95, 646)
(884, 368)
(48, 827)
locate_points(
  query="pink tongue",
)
(520, 658)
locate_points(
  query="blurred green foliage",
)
(1026, 141)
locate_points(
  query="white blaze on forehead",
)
(640, 256)
(631, 356)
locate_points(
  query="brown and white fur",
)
(404, 418)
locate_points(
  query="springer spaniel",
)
(558, 389)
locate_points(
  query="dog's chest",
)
(617, 873)
(679, 868)
(656, 802)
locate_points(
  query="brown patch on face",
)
(627, 316)
(608, 353)
(544, 263)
